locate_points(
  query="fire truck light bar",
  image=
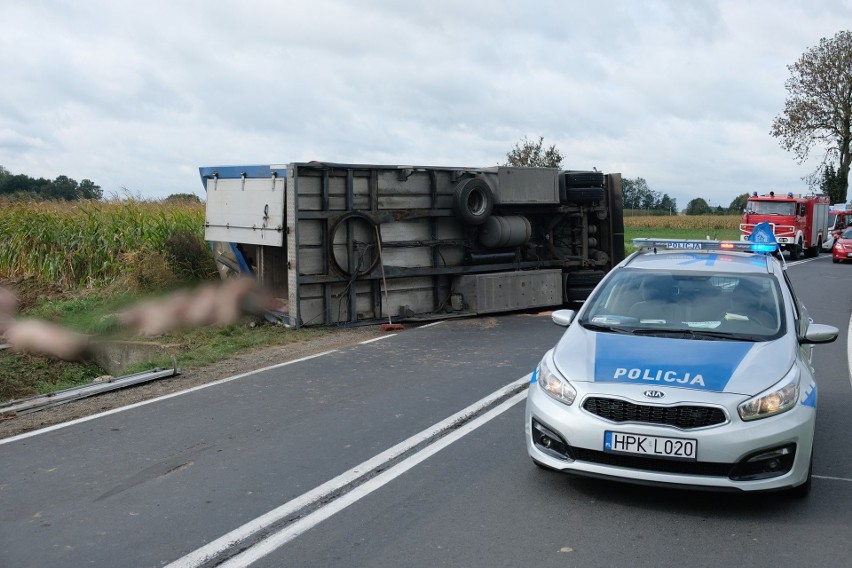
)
(704, 245)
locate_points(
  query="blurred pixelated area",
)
(41, 355)
(218, 304)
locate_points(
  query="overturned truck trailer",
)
(350, 244)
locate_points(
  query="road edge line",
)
(216, 547)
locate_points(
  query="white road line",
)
(379, 338)
(221, 544)
(832, 478)
(276, 540)
(159, 398)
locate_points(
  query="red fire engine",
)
(840, 217)
(800, 223)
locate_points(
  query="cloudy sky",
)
(137, 95)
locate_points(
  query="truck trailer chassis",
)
(360, 244)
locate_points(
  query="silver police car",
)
(688, 366)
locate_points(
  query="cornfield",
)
(702, 222)
(721, 227)
(87, 242)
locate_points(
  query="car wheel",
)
(835, 260)
(802, 491)
(473, 201)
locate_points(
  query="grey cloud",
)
(140, 95)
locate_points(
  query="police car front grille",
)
(684, 417)
(662, 465)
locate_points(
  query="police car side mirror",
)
(820, 333)
(563, 317)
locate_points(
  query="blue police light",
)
(763, 238)
(685, 244)
(764, 247)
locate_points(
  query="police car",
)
(688, 366)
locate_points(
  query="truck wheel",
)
(584, 179)
(795, 251)
(579, 294)
(360, 253)
(584, 195)
(473, 201)
(584, 278)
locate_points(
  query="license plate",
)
(679, 448)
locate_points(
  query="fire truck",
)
(840, 217)
(800, 223)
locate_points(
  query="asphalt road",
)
(386, 454)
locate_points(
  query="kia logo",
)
(654, 394)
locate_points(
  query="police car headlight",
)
(780, 398)
(554, 384)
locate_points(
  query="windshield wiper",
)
(605, 328)
(724, 335)
(699, 334)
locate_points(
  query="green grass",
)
(89, 313)
(23, 375)
(200, 347)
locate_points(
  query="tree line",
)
(61, 188)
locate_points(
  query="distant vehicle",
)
(839, 217)
(800, 223)
(688, 366)
(842, 247)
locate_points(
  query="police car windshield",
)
(723, 306)
(771, 207)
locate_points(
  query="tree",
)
(637, 195)
(635, 192)
(182, 198)
(530, 154)
(697, 207)
(64, 188)
(738, 204)
(818, 109)
(831, 184)
(668, 204)
(88, 190)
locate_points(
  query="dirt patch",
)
(253, 360)
(30, 291)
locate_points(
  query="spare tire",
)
(473, 201)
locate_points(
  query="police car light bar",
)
(669, 244)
